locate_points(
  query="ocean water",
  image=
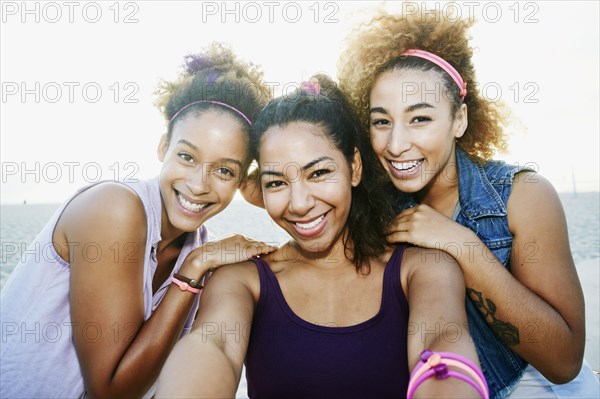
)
(19, 224)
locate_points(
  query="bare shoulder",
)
(234, 277)
(429, 260)
(528, 186)
(104, 214)
(428, 267)
(533, 199)
(108, 204)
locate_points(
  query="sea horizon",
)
(239, 199)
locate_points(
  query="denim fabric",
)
(483, 194)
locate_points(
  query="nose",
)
(399, 141)
(301, 199)
(198, 181)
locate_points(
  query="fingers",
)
(400, 223)
(232, 249)
(399, 237)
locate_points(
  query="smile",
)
(190, 206)
(311, 228)
(406, 166)
(310, 225)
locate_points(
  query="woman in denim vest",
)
(412, 81)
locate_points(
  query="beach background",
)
(78, 81)
(21, 223)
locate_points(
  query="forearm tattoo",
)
(507, 333)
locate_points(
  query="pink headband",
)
(212, 102)
(311, 87)
(442, 63)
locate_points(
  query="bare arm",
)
(438, 320)
(208, 362)
(120, 354)
(525, 306)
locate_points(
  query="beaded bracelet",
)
(432, 363)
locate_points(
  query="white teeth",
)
(312, 224)
(190, 206)
(406, 165)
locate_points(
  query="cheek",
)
(378, 142)
(226, 189)
(275, 204)
(168, 169)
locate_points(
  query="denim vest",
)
(483, 194)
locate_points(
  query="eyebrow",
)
(303, 168)
(184, 141)
(220, 161)
(418, 106)
(414, 107)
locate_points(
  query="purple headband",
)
(442, 63)
(213, 102)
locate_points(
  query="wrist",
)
(467, 243)
(186, 284)
(435, 364)
(195, 268)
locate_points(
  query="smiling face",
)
(202, 168)
(307, 183)
(413, 129)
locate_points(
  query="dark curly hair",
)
(370, 212)
(213, 75)
(376, 47)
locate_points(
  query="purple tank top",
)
(289, 357)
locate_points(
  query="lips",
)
(311, 227)
(405, 168)
(191, 206)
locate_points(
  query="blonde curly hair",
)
(375, 47)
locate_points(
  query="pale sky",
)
(78, 77)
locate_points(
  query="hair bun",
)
(311, 86)
(193, 63)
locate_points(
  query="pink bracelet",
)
(431, 364)
(451, 359)
(183, 286)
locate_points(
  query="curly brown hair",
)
(375, 47)
(215, 74)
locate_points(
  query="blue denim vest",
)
(483, 194)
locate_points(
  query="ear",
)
(356, 168)
(461, 121)
(163, 146)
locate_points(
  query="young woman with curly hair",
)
(412, 81)
(116, 282)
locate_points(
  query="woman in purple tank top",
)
(334, 312)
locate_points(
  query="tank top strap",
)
(391, 277)
(267, 280)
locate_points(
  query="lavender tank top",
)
(289, 357)
(37, 356)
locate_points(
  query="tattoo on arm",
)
(508, 333)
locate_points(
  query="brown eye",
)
(380, 122)
(420, 119)
(186, 157)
